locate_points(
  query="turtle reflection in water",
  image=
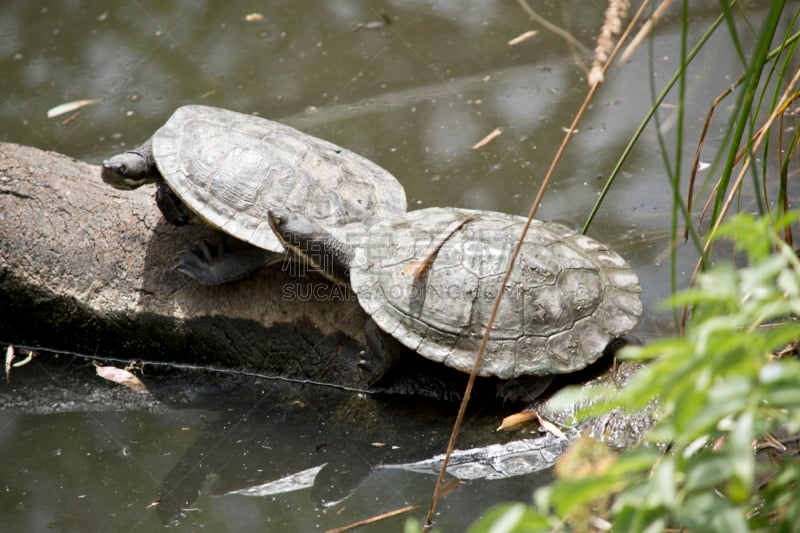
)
(429, 279)
(227, 169)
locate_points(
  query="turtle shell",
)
(430, 279)
(230, 168)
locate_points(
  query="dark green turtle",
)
(429, 279)
(228, 169)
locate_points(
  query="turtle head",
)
(130, 170)
(312, 244)
(293, 229)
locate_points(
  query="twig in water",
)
(373, 519)
(486, 140)
(522, 38)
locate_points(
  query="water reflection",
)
(291, 442)
(223, 452)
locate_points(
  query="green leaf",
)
(707, 470)
(707, 410)
(511, 518)
(707, 511)
(571, 494)
(412, 526)
(740, 454)
(662, 485)
(631, 517)
(636, 460)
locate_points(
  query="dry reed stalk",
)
(615, 13)
(372, 520)
(646, 29)
(747, 153)
(542, 188)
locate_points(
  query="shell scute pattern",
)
(231, 168)
(567, 298)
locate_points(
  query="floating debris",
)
(10, 356)
(522, 38)
(372, 25)
(486, 140)
(551, 428)
(121, 377)
(517, 420)
(253, 17)
(9, 359)
(69, 107)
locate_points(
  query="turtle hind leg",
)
(216, 263)
(382, 352)
(523, 389)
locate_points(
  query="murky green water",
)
(414, 95)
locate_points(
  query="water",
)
(413, 95)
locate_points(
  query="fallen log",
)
(89, 268)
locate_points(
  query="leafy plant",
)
(721, 394)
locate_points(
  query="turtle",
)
(227, 169)
(429, 279)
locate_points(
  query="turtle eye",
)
(122, 168)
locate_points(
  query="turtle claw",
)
(215, 263)
(198, 262)
(381, 354)
(368, 370)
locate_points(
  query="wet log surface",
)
(88, 268)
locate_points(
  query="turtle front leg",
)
(216, 263)
(174, 210)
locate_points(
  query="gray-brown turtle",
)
(430, 277)
(228, 169)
